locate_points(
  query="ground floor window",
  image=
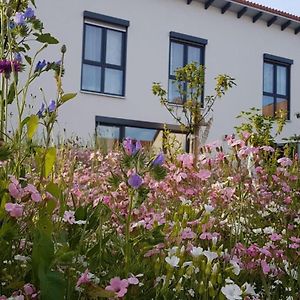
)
(111, 131)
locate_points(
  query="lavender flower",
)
(29, 13)
(135, 180)
(52, 106)
(131, 146)
(40, 65)
(159, 160)
(41, 111)
(19, 18)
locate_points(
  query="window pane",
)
(281, 105)
(146, 136)
(193, 54)
(268, 77)
(108, 137)
(92, 43)
(174, 95)
(114, 47)
(268, 106)
(281, 80)
(113, 81)
(91, 78)
(176, 57)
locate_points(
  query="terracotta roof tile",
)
(268, 9)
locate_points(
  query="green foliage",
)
(32, 126)
(260, 127)
(46, 38)
(192, 114)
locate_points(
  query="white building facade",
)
(118, 48)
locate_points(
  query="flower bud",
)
(63, 49)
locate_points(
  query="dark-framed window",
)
(104, 54)
(276, 85)
(184, 49)
(112, 131)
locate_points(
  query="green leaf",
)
(11, 93)
(49, 160)
(32, 126)
(94, 292)
(52, 285)
(5, 153)
(28, 59)
(54, 190)
(47, 38)
(67, 97)
(158, 172)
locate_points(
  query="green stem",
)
(127, 235)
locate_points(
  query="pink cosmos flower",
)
(187, 233)
(69, 217)
(204, 174)
(265, 267)
(29, 289)
(133, 280)
(275, 237)
(84, 278)
(187, 160)
(284, 161)
(15, 189)
(118, 286)
(295, 239)
(15, 210)
(35, 195)
(294, 246)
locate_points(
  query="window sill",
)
(103, 95)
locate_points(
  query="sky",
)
(291, 6)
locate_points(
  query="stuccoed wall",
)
(235, 46)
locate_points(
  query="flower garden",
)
(78, 223)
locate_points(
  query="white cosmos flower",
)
(196, 251)
(173, 250)
(210, 255)
(208, 208)
(232, 292)
(173, 261)
(236, 268)
(268, 230)
(248, 289)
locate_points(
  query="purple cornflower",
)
(52, 106)
(19, 18)
(135, 180)
(40, 65)
(131, 146)
(41, 111)
(159, 160)
(7, 65)
(29, 13)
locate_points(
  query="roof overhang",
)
(244, 8)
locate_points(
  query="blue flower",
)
(18, 57)
(12, 24)
(135, 180)
(131, 147)
(40, 65)
(29, 13)
(52, 106)
(159, 160)
(41, 110)
(19, 18)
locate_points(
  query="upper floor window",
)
(104, 54)
(184, 49)
(276, 85)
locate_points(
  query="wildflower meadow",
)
(132, 223)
